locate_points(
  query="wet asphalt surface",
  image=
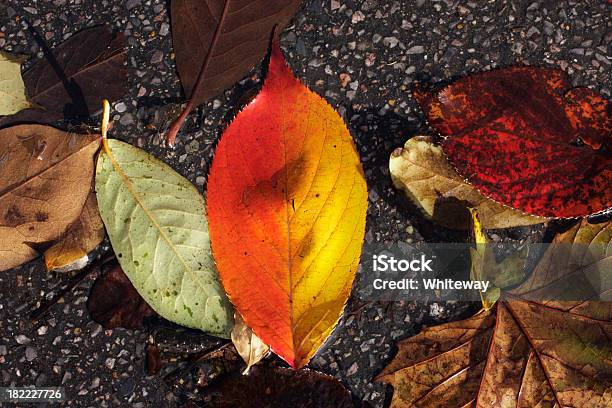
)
(363, 57)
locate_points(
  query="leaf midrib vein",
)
(131, 189)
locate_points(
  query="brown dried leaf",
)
(113, 301)
(520, 353)
(46, 178)
(217, 42)
(244, 28)
(74, 77)
(576, 267)
(249, 346)
(83, 236)
(277, 387)
(423, 173)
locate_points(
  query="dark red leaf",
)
(589, 114)
(72, 79)
(217, 42)
(277, 387)
(515, 134)
(113, 301)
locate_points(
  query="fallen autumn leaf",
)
(72, 79)
(12, 90)
(232, 37)
(113, 302)
(277, 387)
(287, 201)
(82, 237)
(516, 134)
(423, 173)
(249, 346)
(521, 353)
(156, 222)
(46, 178)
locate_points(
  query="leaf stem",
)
(178, 123)
(104, 127)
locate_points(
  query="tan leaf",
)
(12, 89)
(46, 178)
(249, 346)
(520, 353)
(576, 266)
(83, 236)
(423, 173)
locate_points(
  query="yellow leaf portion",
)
(12, 90)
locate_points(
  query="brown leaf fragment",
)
(83, 236)
(574, 269)
(250, 347)
(522, 353)
(277, 387)
(517, 354)
(113, 301)
(72, 79)
(153, 359)
(244, 35)
(46, 178)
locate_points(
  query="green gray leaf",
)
(156, 221)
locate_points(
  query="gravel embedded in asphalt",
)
(362, 57)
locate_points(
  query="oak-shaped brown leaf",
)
(46, 178)
(113, 301)
(277, 387)
(525, 138)
(521, 353)
(217, 42)
(72, 79)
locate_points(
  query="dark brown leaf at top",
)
(277, 387)
(218, 41)
(113, 301)
(244, 34)
(72, 79)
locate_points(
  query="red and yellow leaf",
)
(515, 134)
(287, 201)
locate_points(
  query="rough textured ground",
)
(362, 56)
